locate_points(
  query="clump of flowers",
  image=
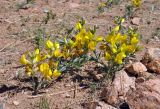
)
(40, 67)
(136, 3)
(57, 57)
(119, 44)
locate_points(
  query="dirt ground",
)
(18, 27)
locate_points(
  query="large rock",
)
(152, 60)
(136, 68)
(97, 105)
(146, 95)
(120, 86)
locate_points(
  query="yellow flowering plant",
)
(75, 48)
(118, 45)
(39, 68)
(131, 8)
(136, 3)
(59, 56)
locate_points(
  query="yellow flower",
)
(37, 52)
(136, 3)
(46, 71)
(131, 48)
(134, 41)
(65, 55)
(116, 28)
(122, 20)
(23, 60)
(99, 38)
(114, 49)
(28, 70)
(29, 73)
(56, 73)
(37, 58)
(109, 38)
(123, 48)
(102, 4)
(119, 57)
(53, 64)
(78, 26)
(120, 38)
(57, 53)
(44, 67)
(56, 45)
(49, 44)
(92, 45)
(71, 43)
(107, 56)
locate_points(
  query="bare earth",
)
(18, 27)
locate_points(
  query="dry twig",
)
(55, 93)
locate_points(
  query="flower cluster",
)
(59, 56)
(83, 42)
(136, 3)
(36, 62)
(117, 45)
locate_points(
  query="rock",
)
(120, 86)
(97, 105)
(146, 95)
(152, 60)
(66, 95)
(154, 66)
(2, 71)
(136, 21)
(21, 2)
(136, 68)
(16, 103)
(110, 95)
(102, 105)
(146, 75)
(90, 105)
(140, 80)
(122, 82)
(98, 77)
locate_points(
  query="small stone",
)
(98, 77)
(90, 105)
(67, 85)
(140, 80)
(2, 71)
(151, 60)
(97, 105)
(66, 95)
(136, 21)
(102, 105)
(16, 103)
(136, 68)
(154, 66)
(146, 75)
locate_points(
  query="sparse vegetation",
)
(63, 53)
